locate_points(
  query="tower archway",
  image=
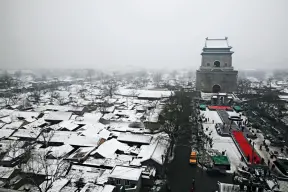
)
(216, 63)
(216, 88)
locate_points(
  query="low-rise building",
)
(129, 177)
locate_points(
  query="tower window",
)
(208, 64)
(216, 64)
(226, 65)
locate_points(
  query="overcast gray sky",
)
(150, 33)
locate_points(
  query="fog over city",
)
(143, 96)
(140, 34)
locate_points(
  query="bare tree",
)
(45, 136)
(9, 99)
(18, 74)
(103, 106)
(39, 165)
(174, 118)
(6, 81)
(243, 86)
(173, 74)
(134, 93)
(90, 74)
(16, 150)
(34, 96)
(190, 75)
(109, 87)
(52, 169)
(269, 82)
(157, 77)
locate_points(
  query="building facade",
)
(216, 73)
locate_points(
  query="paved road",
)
(180, 174)
(225, 117)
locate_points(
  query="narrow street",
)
(181, 173)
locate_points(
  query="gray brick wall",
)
(225, 75)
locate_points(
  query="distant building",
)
(216, 73)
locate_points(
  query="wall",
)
(223, 58)
(130, 188)
(226, 79)
(151, 163)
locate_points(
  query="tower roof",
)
(217, 43)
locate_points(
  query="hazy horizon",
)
(140, 34)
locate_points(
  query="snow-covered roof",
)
(154, 115)
(5, 112)
(91, 129)
(13, 125)
(155, 94)
(134, 138)
(104, 177)
(217, 43)
(283, 97)
(108, 116)
(109, 109)
(91, 141)
(36, 165)
(59, 108)
(26, 114)
(6, 172)
(108, 148)
(27, 133)
(156, 150)
(81, 153)
(2, 124)
(108, 188)
(89, 174)
(12, 154)
(112, 162)
(145, 93)
(92, 187)
(56, 185)
(58, 116)
(60, 151)
(104, 133)
(60, 136)
(68, 189)
(35, 124)
(89, 118)
(126, 173)
(91, 161)
(69, 124)
(4, 133)
(7, 119)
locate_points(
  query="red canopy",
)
(214, 107)
(245, 146)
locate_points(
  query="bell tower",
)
(216, 73)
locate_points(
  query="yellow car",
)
(193, 158)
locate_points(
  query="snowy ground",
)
(263, 153)
(211, 115)
(221, 143)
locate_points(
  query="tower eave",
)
(207, 52)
